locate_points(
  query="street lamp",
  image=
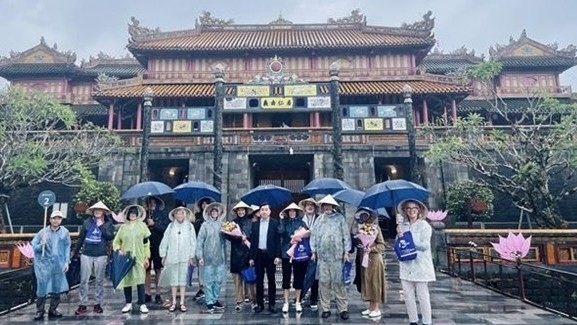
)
(148, 96)
(408, 101)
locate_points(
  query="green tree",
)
(470, 200)
(41, 140)
(92, 191)
(520, 159)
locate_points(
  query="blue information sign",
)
(46, 198)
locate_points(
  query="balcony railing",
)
(510, 92)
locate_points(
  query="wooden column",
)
(317, 119)
(425, 112)
(454, 110)
(119, 120)
(139, 117)
(245, 121)
(110, 116)
(445, 116)
(312, 119)
(417, 117)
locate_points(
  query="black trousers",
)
(264, 263)
(139, 292)
(297, 269)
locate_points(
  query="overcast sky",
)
(88, 27)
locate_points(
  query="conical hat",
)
(291, 206)
(213, 205)
(243, 205)
(329, 199)
(99, 205)
(305, 201)
(141, 212)
(187, 213)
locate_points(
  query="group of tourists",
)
(309, 238)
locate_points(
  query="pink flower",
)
(232, 229)
(367, 238)
(296, 238)
(437, 215)
(26, 249)
(513, 247)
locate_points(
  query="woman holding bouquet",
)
(177, 250)
(239, 253)
(416, 274)
(292, 231)
(370, 248)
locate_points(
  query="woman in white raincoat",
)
(177, 250)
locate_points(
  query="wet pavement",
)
(454, 301)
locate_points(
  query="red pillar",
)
(139, 117)
(317, 119)
(425, 112)
(245, 121)
(110, 116)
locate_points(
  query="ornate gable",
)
(42, 54)
(527, 47)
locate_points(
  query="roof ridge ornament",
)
(276, 74)
(280, 21)
(426, 24)
(136, 30)
(103, 80)
(206, 18)
(356, 17)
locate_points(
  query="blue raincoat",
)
(49, 269)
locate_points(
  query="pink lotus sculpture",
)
(26, 249)
(513, 247)
(437, 215)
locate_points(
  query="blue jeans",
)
(213, 276)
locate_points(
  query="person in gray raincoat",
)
(210, 252)
(51, 259)
(330, 244)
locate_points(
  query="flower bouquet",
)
(300, 249)
(26, 249)
(367, 235)
(232, 229)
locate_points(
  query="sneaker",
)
(246, 300)
(366, 312)
(81, 310)
(298, 307)
(127, 308)
(238, 306)
(158, 299)
(210, 308)
(314, 307)
(285, 307)
(375, 314)
(218, 306)
(199, 294)
(147, 297)
(97, 309)
(143, 309)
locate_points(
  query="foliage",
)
(520, 159)
(92, 191)
(42, 141)
(461, 196)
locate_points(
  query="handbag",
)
(405, 247)
(303, 250)
(347, 279)
(249, 274)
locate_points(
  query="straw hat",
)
(241, 205)
(141, 212)
(423, 208)
(57, 213)
(214, 205)
(187, 213)
(329, 199)
(292, 206)
(302, 203)
(99, 205)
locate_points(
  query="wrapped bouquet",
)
(366, 235)
(26, 249)
(232, 229)
(300, 247)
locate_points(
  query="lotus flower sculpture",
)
(26, 249)
(438, 215)
(513, 247)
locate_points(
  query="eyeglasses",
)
(412, 208)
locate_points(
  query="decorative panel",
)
(180, 120)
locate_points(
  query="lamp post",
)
(218, 108)
(338, 173)
(408, 105)
(148, 96)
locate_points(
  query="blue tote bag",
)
(303, 250)
(249, 274)
(405, 247)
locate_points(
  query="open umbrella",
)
(121, 265)
(350, 196)
(324, 186)
(390, 193)
(194, 190)
(272, 194)
(145, 189)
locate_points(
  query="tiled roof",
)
(89, 110)
(115, 70)
(535, 62)
(346, 88)
(17, 69)
(293, 37)
(443, 64)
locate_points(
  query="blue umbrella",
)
(121, 265)
(309, 277)
(382, 212)
(194, 190)
(145, 189)
(324, 186)
(391, 193)
(272, 194)
(350, 196)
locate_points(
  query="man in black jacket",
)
(93, 241)
(265, 255)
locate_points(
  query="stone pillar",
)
(338, 172)
(439, 244)
(148, 97)
(218, 108)
(407, 94)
